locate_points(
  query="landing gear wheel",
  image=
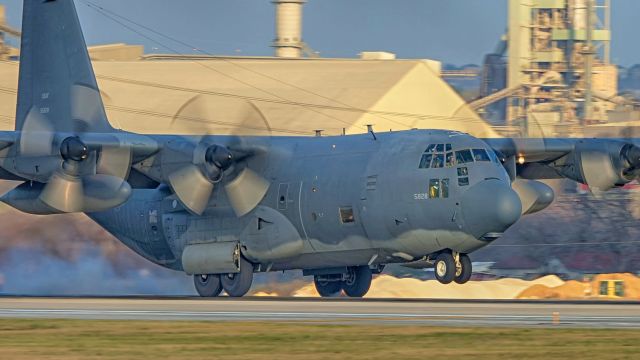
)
(358, 281)
(445, 268)
(327, 288)
(464, 274)
(238, 284)
(207, 285)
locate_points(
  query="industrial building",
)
(283, 95)
(551, 74)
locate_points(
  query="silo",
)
(580, 14)
(288, 42)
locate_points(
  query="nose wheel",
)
(464, 269)
(450, 267)
(445, 268)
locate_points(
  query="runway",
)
(347, 311)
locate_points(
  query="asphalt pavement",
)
(347, 311)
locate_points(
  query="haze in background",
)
(453, 31)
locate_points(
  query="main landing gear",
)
(235, 285)
(355, 283)
(453, 267)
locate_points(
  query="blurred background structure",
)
(550, 75)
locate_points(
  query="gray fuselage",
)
(336, 201)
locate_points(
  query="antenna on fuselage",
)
(370, 130)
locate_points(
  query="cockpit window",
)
(425, 161)
(464, 156)
(449, 147)
(440, 148)
(451, 161)
(431, 148)
(481, 155)
(494, 157)
(438, 161)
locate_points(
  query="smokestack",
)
(288, 42)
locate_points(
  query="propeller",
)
(193, 166)
(606, 164)
(90, 177)
(631, 158)
(598, 171)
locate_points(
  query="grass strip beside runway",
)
(100, 339)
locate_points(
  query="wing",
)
(600, 163)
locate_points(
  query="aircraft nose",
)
(490, 206)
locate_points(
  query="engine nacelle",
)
(534, 195)
(602, 164)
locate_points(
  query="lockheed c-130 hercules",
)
(221, 208)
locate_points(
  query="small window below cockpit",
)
(434, 188)
(444, 184)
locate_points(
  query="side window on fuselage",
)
(434, 188)
(346, 215)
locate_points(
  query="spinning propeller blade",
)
(208, 164)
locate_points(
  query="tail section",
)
(57, 82)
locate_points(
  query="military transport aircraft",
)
(221, 208)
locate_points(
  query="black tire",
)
(327, 288)
(238, 284)
(359, 281)
(207, 285)
(445, 268)
(465, 271)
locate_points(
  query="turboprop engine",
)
(534, 195)
(602, 164)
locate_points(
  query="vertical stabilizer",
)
(57, 83)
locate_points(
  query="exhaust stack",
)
(288, 42)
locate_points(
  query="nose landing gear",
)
(453, 266)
